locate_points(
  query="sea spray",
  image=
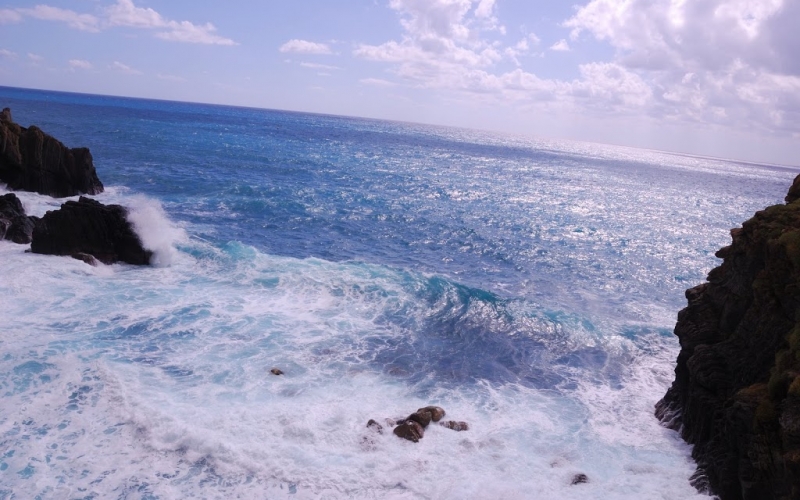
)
(156, 231)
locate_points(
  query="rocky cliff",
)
(31, 160)
(736, 394)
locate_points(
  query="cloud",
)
(377, 82)
(124, 68)
(319, 66)
(8, 16)
(79, 64)
(305, 47)
(83, 22)
(7, 54)
(35, 58)
(123, 13)
(717, 61)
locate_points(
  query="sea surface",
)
(529, 287)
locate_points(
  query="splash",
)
(157, 232)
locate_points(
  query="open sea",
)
(529, 287)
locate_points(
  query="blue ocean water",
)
(527, 286)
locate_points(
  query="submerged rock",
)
(736, 394)
(31, 160)
(375, 426)
(88, 227)
(579, 479)
(456, 426)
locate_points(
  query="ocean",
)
(527, 286)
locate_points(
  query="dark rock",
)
(14, 224)
(375, 426)
(31, 160)
(736, 394)
(579, 479)
(276, 371)
(456, 426)
(409, 430)
(87, 226)
(85, 257)
(423, 417)
(437, 413)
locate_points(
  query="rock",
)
(14, 224)
(579, 479)
(437, 413)
(89, 227)
(276, 371)
(31, 160)
(456, 426)
(85, 257)
(375, 426)
(423, 417)
(736, 393)
(409, 430)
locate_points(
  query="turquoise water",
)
(527, 286)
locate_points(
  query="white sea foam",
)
(155, 381)
(156, 231)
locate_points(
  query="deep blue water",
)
(527, 286)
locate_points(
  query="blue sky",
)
(708, 77)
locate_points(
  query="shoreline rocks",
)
(736, 394)
(31, 160)
(88, 227)
(87, 230)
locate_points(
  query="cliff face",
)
(736, 394)
(31, 160)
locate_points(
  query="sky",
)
(708, 77)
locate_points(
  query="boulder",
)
(14, 224)
(736, 393)
(436, 412)
(31, 160)
(409, 430)
(88, 227)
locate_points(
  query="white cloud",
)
(319, 66)
(192, 33)
(36, 58)
(8, 16)
(305, 47)
(377, 82)
(124, 68)
(560, 46)
(717, 61)
(84, 22)
(79, 64)
(124, 13)
(7, 54)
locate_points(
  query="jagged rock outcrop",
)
(14, 224)
(736, 394)
(31, 160)
(88, 227)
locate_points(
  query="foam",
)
(172, 390)
(156, 231)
